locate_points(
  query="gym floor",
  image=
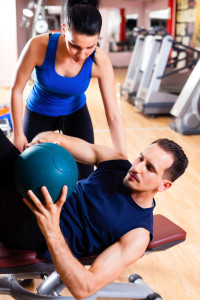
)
(175, 273)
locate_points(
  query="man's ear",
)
(164, 186)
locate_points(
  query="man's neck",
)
(143, 199)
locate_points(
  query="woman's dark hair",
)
(82, 16)
(180, 160)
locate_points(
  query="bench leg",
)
(5, 286)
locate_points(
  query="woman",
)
(64, 64)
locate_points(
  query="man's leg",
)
(8, 157)
(79, 124)
(18, 226)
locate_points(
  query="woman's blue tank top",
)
(53, 94)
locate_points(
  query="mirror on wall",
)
(159, 18)
(118, 35)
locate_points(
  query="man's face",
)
(146, 172)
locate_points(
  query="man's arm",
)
(81, 150)
(108, 265)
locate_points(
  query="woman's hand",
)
(20, 142)
(48, 214)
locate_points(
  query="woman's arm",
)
(104, 72)
(33, 54)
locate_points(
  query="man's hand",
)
(45, 137)
(48, 215)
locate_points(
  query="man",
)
(110, 213)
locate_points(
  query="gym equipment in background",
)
(154, 97)
(143, 52)
(134, 72)
(179, 67)
(5, 120)
(155, 77)
(22, 264)
(186, 110)
(44, 16)
(45, 164)
(4, 126)
(148, 99)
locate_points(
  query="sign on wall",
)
(188, 22)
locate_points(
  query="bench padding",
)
(166, 234)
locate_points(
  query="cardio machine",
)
(144, 58)
(136, 65)
(155, 77)
(186, 110)
(157, 93)
(149, 100)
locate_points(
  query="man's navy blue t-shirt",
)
(101, 210)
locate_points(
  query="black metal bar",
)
(176, 71)
(187, 47)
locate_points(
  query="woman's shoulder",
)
(38, 46)
(102, 61)
(39, 41)
(101, 56)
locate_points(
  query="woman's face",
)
(80, 46)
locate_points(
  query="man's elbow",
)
(82, 294)
(85, 290)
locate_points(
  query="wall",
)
(141, 8)
(152, 6)
(111, 20)
(131, 7)
(22, 32)
(13, 38)
(8, 49)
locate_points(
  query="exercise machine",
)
(134, 72)
(5, 120)
(4, 126)
(186, 110)
(155, 98)
(157, 72)
(22, 264)
(145, 50)
(149, 100)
